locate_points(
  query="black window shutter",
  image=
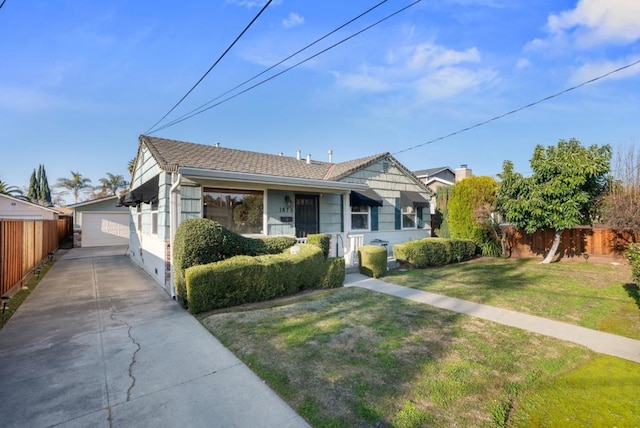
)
(398, 215)
(374, 218)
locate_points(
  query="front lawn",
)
(596, 296)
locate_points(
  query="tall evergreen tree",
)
(34, 189)
(45, 191)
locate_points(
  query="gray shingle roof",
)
(430, 171)
(172, 154)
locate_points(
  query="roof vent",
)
(280, 154)
(298, 154)
(216, 144)
(330, 156)
(308, 159)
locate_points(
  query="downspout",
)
(173, 223)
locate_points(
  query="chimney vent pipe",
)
(308, 159)
(330, 156)
(298, 154)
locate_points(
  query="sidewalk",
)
(604, 343)
(100, 344)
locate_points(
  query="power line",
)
(174, 122)
(282, 61)
(214, 64)
(521, 108)
(2, 4)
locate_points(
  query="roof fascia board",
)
(240, 177)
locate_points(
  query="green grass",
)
(351, 357)
(593, 394)
(596, 296)
(18, 298)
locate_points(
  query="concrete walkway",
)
(99, 344)
(598, 341)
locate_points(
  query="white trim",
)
(92, 201)
(368, 213)
(268, 179)
(29, 203)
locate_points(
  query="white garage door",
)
(102, 229)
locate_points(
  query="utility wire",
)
(287, 69)
(284, 60)
(211, 68)
(2, 4)
(521, 108)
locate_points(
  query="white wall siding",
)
(149, 252)
(146, 168)
(164, 187)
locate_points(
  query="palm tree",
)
(14, 191)
(111, 183)
(131, 166)
(75, 184)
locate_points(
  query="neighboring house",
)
(100, 222)
(436, 178)
(17, 209)
(372, 199)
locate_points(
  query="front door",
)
(307, 215)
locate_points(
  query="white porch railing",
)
(351, 255)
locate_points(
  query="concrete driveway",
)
(99, 344)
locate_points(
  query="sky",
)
(80, 81)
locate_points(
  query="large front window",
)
(237, 210)
(360, 217)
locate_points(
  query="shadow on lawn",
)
(633, 292)
(478, 274)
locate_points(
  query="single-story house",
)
(374, 199)
(100, 222)
(18, 209)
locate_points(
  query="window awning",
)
(367, 197)
(146, 193)
(413, 199)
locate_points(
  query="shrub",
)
(201, 241)
(434, 252)
(633, 255)
(373, 260)
(321, 240)
(277, 244)
(243, 279)
(335, 273)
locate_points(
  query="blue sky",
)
(81, 80)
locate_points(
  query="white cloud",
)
(591, 23)
(428, 70)
(522, 63)
(293, 20)
(594, 69)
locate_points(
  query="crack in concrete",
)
(135, 353)
(133, 361)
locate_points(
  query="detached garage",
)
(100, 223)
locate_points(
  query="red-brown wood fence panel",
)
(596, 241)
(25, 244)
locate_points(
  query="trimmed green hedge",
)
(434, 251)
(321, 240)
(372, 260)
(200, 241)
(633, 255)
(244, 279)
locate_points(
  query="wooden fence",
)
(25, 244)
(579, 243)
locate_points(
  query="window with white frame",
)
(360, 216)
(409, 220)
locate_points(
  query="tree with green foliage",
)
(560, 194)
(76, 184)
(470, 201)
(442, 213)
(39, 191)
(45, 191)
(112, 183)
(13, 191)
